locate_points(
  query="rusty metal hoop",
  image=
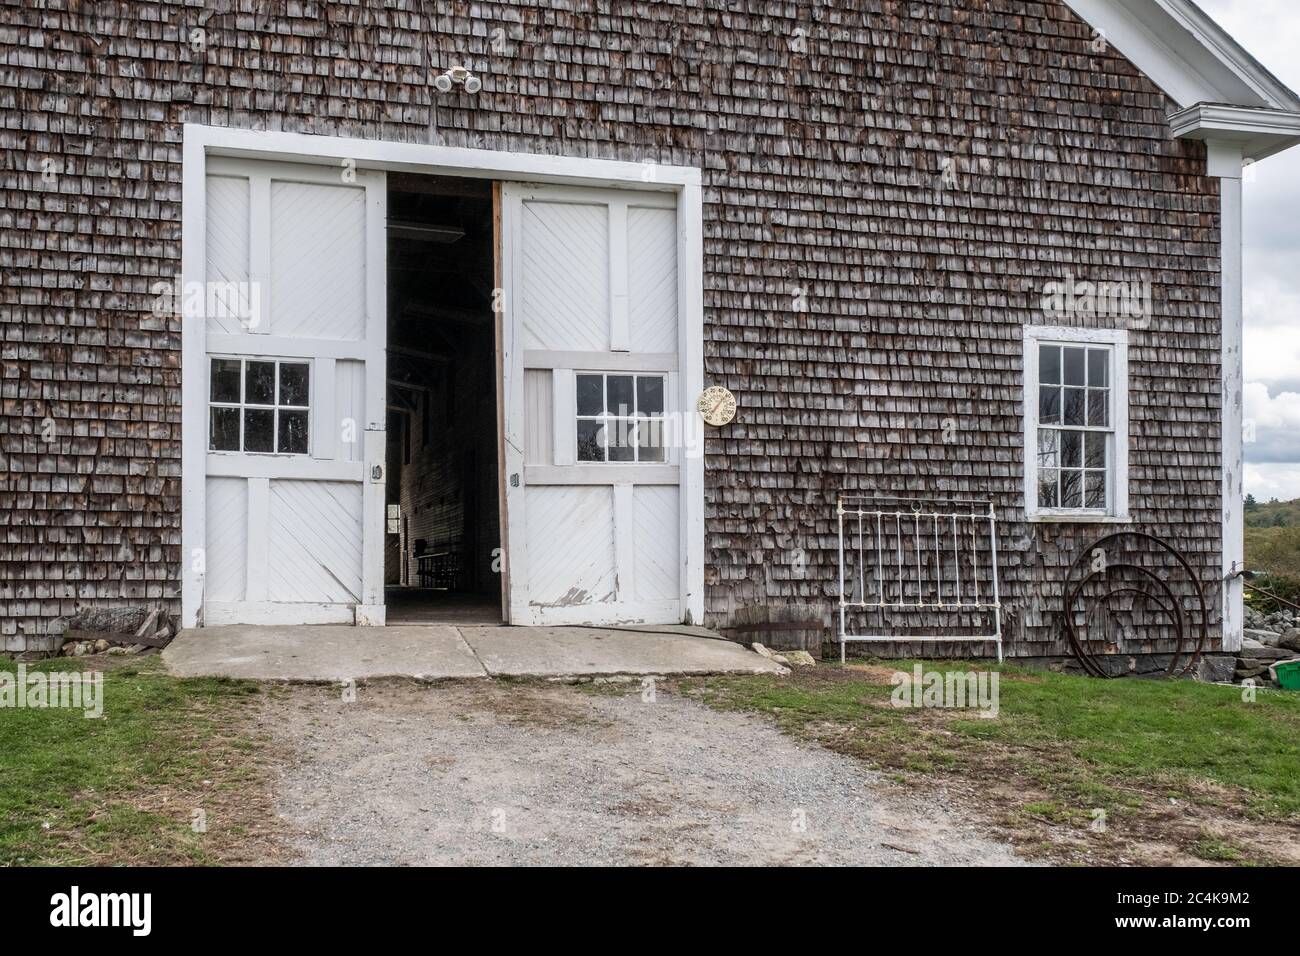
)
(1173, 611)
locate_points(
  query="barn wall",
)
(858, 291)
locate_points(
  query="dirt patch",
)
(236, 795)
(487, 772)
(224, 806)
(870, 672)
(528, 703)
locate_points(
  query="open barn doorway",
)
(442, 554)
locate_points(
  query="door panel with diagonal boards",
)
(592, 385)
(294, 312)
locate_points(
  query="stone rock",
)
(1256, 651)
(799, 659)
(1215, 669)
(1280, 621)
(1260, 635)
(1249, 670)
(770, 654)
(117, 650)
(1290, 639)
(101, 646)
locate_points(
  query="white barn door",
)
(593, 402)
(295, 316)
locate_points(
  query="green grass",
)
(1217, 851)
(1142, 729)
(1170, 735)
(1054, 812)
(75, 790)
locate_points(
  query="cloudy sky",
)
(1270, 30)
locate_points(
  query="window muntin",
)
(620, 417)
(260, 406)
(1075, 432)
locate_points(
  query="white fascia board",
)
(1232, 54)
(1258, 132)
(1185, 53)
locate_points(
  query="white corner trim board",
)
(682, 192)
(1233, 407)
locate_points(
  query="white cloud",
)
(1272, 411)
(1272, 356)
(1272, 425)
(1263, 27)
(1273, 480)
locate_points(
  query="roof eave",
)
(1259, 132)
(1185, 53)
(1221, 44)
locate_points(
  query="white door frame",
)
(200, 142)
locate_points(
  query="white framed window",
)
(1076, 424)
(620, 416)
(259, 405)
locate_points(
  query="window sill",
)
(232, 453)
(1065, 517)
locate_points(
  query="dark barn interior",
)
(442, 518)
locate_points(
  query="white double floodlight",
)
(458, 76)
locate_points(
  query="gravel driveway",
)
(509, 773)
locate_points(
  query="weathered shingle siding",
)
(821, 130)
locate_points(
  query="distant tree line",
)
(1273, 551)
(1273, 514)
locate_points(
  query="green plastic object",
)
(1288, 674)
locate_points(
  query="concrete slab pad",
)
(566, 651)
(321, 653)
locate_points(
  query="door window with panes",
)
(259, 406)
(620, 417)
